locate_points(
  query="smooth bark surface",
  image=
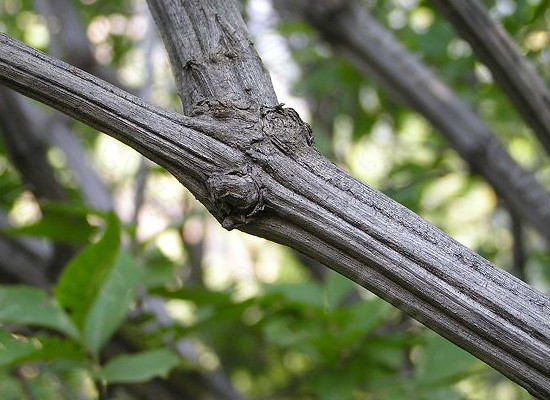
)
(376, 52)
(254, 168)
(512, 72)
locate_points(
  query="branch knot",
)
(286, 130)
(236, 196)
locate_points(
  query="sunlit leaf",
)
(307, 294)
(52, 348)
(112, 303)
(139, 367)
(81, 280)
(336, 289)
(443, 363)
(60, 223)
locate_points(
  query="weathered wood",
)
(512, 72)
(376, 52)
(255, 169)
(211, 53)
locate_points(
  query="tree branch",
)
(377, 53)
(211, 53)
(512, 72)
(254, 168)
(518, 250)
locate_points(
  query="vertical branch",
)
(148, 46)
(23, 259)
(211, 53)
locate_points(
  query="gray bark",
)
(254, 168)
(376, 52)
(211, 53)
(512, 72)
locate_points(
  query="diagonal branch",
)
(255, 169)
(377, 53)
(512, 72)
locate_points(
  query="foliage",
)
(254, 312)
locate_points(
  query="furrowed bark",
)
(211, 53)
(512, 72)
(376, 52)
(255, 169)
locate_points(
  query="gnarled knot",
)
(236, 196)
(285, 128)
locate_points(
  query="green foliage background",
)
(279, 334)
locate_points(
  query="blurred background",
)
(117, 284)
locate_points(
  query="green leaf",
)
(139, 367)
(334, 385)
(197, 296)
(112, 303)
(306, 294)
(12, 349)
(82, 279)
(336, 289)
(443, 363)
(158, 275)
(31, 306)
(55, 349)
(363, 317)
(60, 223)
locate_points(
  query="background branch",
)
(378, 54)
(511, 71)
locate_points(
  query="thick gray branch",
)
(211, 53)
(512, 72)
(255, 169)
(379, 54)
